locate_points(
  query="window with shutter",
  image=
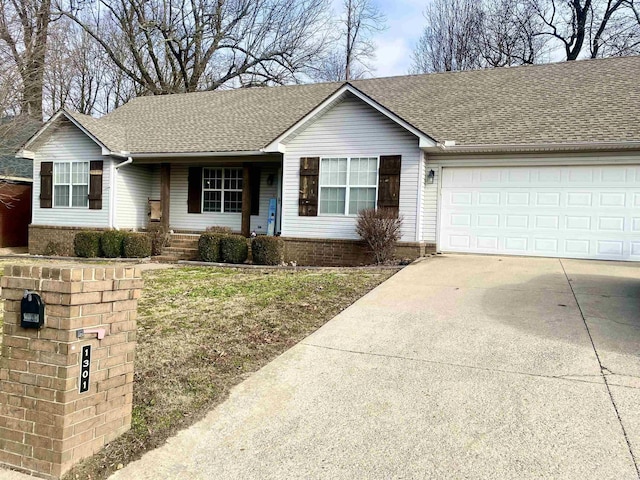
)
(194, 194)
(46, 184)
(95, 185)
(308, 197)
(71, 184)
(389, 182)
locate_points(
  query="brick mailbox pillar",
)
(63, 396)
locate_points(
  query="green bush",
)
(209, 246)
(234, 249)
(87, 244)
(111, 243)
(267, 250)
(136, 245)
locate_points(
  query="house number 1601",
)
(85, 367)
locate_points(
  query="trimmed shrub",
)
(136, 245)
(54, 249)
(111, 243)
(87, 244)
(234, 249)
(267, 250)
(380, 229)
(209, 246)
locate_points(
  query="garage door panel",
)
(544, 211)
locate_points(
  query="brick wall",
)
(41, 235)
(326, 252)
(46, 424)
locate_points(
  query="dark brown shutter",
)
(255, 189)
(46, 184)
(95, 185)
(308, 200)
(194, 195)
(389, 182)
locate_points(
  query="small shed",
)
(16, 181)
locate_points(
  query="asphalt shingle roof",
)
(582, 101)
(13, 133)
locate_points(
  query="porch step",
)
(182, 246)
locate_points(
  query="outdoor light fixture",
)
(431, 176)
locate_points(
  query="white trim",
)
(438, 207)
(277, 145)
(347, 187)
(113, 219)
(501, 160)
(443, 149)
(222, 189)
(70, 184)
(28, 154)
(421, 183)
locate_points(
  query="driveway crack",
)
(604, 371)
(576, 378)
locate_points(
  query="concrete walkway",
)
(457, 367)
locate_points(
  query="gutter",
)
(449, 147)
(194, 154)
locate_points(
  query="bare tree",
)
(24, 27)
(508, 35)
(580, 24)
(361, 19)
(187, 45)
(450, 38)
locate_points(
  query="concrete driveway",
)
(456, 367)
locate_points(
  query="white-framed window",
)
(71, 184)
(222, 190)
(347, 184)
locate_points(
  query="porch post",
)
(246, 199)
(165, 193)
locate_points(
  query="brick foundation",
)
(46, 424)
(344, 253)
(41, 235)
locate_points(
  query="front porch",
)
(242, 194)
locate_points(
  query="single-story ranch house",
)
(538, 160)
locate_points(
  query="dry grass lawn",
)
(202, 330)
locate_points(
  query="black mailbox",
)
(31, 310)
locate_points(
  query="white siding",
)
(133, 190)
(155, 182)
(430, 203)
(351, 128)
(68, 143)
(181, 220)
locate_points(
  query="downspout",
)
(114, 187)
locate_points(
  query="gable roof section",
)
(570, 102)
(277, 144)
(563, 104)
(101, 133)
(242, 120)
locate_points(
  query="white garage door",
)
(569, 211)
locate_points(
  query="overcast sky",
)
(405, 24)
